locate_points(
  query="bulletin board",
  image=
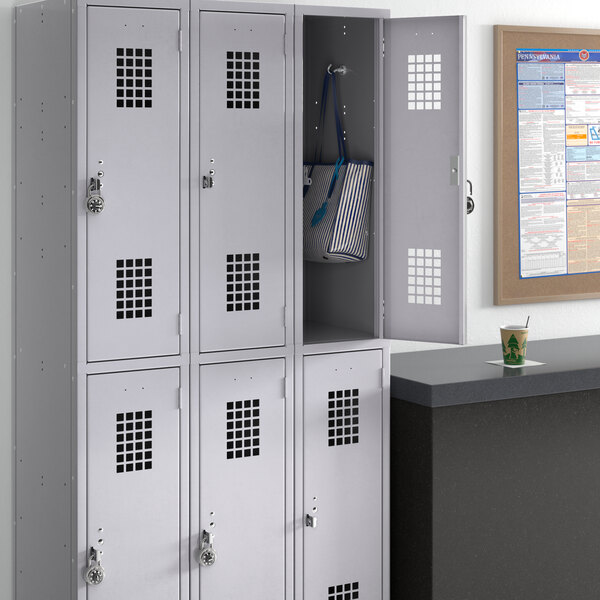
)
(547, 164)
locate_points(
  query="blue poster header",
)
(549, 56)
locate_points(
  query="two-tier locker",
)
(401, 98)
(200, 413)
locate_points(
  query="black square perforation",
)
(243, 428)
(134, 78)
(243, 282)
(342, 417)
(344, 591)
(134, 441)
(243, 79)
(134, 288)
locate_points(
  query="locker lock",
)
(94, 201)
(310, 521)
(93, 574)
(207, 555)
(208, 180)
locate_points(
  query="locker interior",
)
(340, 300)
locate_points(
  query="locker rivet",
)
(100, 173)
(212, 160)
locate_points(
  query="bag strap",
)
(318, 156)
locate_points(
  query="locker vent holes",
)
(346, 591)
(424, 276)
(424, 82)
(134, 441)
(134, 78)
(243, 79)
(342, 418)
(243, 282)
(134, 288)
(243, 428)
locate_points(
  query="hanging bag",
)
(336, 197)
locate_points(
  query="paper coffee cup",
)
(514, 344)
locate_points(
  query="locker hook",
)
(342, 69)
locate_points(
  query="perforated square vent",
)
(243, 79)
(345, 591)
(424, 82)
(243, 428)
(243, 282)
(134, 288)
(134, 78)
(424, 276)
(342, 417)
(134, 441)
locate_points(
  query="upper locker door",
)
(242, 172)
(424, 201)
(133, 129)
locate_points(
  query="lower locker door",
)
(242, 461)
(342, 476)
(133, 484)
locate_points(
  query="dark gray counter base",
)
(497, 500)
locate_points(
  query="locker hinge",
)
(180, 40)
(284, 40)
(180, 399)
(284, 316)
(180, 324)
(382, 377)
(284, 382)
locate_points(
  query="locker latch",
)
(207, 556)
(310, 521)
(94, 201)
(93, 574)
(208, 181)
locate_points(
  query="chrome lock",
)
(93, 574)
(310, 521)
(207, 556)
(94, 201)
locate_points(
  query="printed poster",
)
(558, 104)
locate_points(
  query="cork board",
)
(509, 285)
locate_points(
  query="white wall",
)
(556, 319)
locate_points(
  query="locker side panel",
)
(133, 132)
(424, 162)
(242, 159)
(42, 312)
(133, 483)
(242, 478)
(343, 409)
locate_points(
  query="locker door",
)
(242, 217)
(133, 140)
(242, 461)
(133, 483)
(423, 179)
(342, 476)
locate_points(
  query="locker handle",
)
(93, 574)
(207, 181)
(206, 555)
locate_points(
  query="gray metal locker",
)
(343, 476)
(133, 483)
(242, 410)
(402, 106)
(133, 135)
(242, 179)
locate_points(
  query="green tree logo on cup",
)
(514, 344)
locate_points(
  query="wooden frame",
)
(509, 287)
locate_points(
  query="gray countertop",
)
(438, 378)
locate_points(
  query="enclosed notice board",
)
(547, 164)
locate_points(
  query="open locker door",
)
(424, 204)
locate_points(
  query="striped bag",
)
(336, 198)
(341, 234)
